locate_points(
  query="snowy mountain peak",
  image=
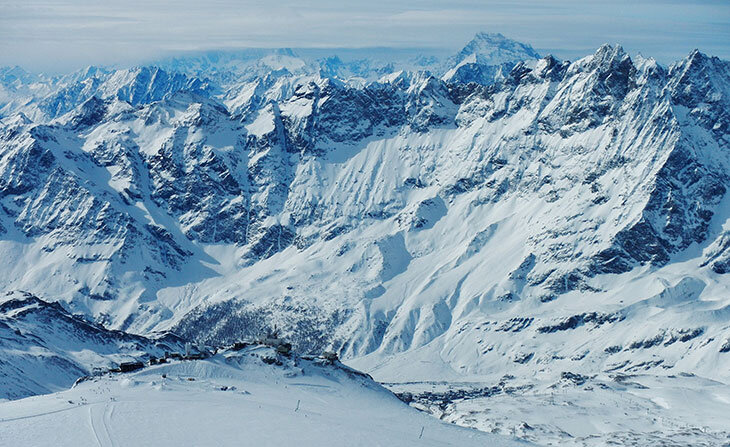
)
(494, 49)
(699, 65)
(14, 76)
(91, 112)
(610, 71)
(610, 58)
(147, 84)
(549, 68)
(86, 74)
(18, 119)
(487, 58)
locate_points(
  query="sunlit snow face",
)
(66, 34)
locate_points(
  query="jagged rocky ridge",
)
(558, 214)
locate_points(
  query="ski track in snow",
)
(99, 423)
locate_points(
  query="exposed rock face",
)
(382, 216)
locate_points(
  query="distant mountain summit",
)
(493, 49)
(486, 58)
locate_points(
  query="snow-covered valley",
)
(577, 410)
(525, 245)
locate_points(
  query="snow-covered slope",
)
(231, 399)
(579, 410)
(564, 217)
(45, 349)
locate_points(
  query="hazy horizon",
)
(66, 35)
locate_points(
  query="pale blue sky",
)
(57, 35)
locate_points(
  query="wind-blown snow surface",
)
(561, 217)
(231, 399)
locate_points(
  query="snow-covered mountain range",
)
(428, 218)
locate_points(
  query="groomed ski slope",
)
(229, 399)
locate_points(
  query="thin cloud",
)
(61, 35)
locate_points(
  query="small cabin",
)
(130, 366)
